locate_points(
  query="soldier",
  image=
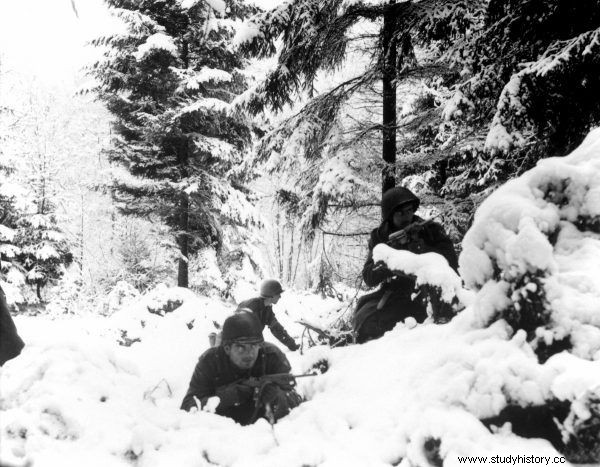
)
(250, 377)
(10, 342)
(378, 312)
(262, 307)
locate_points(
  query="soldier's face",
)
(403, 216)
(242, 356)
(272, 300)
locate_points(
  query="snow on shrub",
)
(535, 249)
(146, 317)
(122, 294)
(438, 283)
(428, 268)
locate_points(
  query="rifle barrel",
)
(305, 375)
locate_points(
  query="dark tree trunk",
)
(389, 98)
(184, 204)
(183, 242)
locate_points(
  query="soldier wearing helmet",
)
(262, 307)
(379, 311)
(233, 370)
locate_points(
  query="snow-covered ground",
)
(76, 397)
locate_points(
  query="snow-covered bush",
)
(534, 250)
(67, 296)
(234, 274)
(141, 259)
(206, 278)
(163, 300)
(436, 281)
(122, 294)
(533, 256)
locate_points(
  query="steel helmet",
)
(395, 197)
(270, 288)
(244, 328)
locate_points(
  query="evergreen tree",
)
(378, 40)
(8, 249)
(484, 88)
(35, 249)
(169, 80)
(526, 90)
(10, 269)
(44, 250)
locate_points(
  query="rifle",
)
(285, 381)
(409, 237)
(331, 338)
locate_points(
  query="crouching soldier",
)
(250, 377)
(378, 312)
(262, 307)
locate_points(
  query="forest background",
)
(232, 142)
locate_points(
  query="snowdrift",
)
(418, 396)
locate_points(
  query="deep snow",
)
(75, 397)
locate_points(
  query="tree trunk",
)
(184, 204)
(278, 241)
(389, 98)
(183, 242)
(290, 260)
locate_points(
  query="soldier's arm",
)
(200, 388)
(374, 274)
(281, 334)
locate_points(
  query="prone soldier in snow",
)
(378, 312)
(250, 377)
(262, 307)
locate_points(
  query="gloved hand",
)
(381, 270)
(234, 394)
(269, 393)
(293, 346)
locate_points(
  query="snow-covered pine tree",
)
(169, 80)
(34, 250)
(526, 90)
(484, 88)
(354, 65)
(44, 250)
(546, 73)
(11, 271)
(374, 43)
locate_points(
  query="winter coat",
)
(215, 372)
(267, 318)
(10, 342)
(394, 295)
